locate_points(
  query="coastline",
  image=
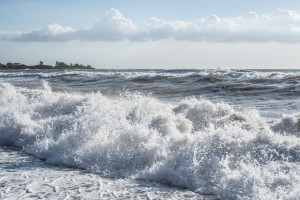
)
(58, 65)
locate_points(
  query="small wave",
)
(149, 76)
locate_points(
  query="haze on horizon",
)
(156, 34)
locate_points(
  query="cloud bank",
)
(279, 26)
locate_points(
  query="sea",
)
(150, 134)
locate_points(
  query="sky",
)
(163, 34)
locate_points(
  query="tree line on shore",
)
(58, 65)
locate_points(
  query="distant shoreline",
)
(59, 65)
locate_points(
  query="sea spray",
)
(206, 147)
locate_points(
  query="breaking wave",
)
(206, 147)
(131, 74)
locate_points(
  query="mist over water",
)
(230, 134)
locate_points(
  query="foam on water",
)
(206, 147)
(129, 74)
(25, 177)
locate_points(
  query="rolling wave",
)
(260, 84)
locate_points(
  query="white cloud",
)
(113, 27)
(290, 13)
(159, 29)
(56, 29)
(279, 26)
(54, 32)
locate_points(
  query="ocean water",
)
(150, 134)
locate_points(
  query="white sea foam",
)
(25, 177)
(289, 124)
(127, 74)
(206, 147)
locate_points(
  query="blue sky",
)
(152, 34)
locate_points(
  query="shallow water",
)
(228, 134)
(26, 177)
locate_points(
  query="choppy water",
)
(228, 134)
